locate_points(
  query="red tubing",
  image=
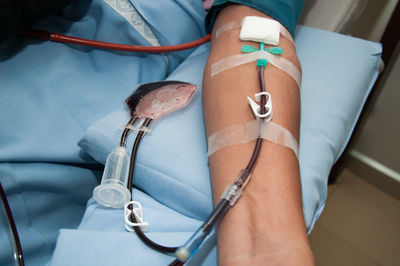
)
(55, 37)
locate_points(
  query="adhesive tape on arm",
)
(260, 29)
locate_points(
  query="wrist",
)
(260, 232)
(268, 217)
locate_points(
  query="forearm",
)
(269, 215)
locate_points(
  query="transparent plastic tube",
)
(185, 252)
(112, 192)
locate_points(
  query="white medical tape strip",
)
(244, 133)
(240, 59)
(237, 23)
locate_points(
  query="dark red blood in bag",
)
(160, 98)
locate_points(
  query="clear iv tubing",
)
(56, 37)
(230, 196)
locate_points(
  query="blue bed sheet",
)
(56, 95)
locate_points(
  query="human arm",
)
(266, 225)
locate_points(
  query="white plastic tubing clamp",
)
(256, 107)
(137, 211)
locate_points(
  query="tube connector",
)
(232, 193)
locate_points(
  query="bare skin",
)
(266, 226)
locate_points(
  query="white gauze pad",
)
(258, 29)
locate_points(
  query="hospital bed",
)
(62, 110)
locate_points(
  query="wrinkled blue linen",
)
(44, 197)
(55, 94)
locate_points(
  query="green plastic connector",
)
(275, 50)
(262, 62)
(252, 49)
(248, 49)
